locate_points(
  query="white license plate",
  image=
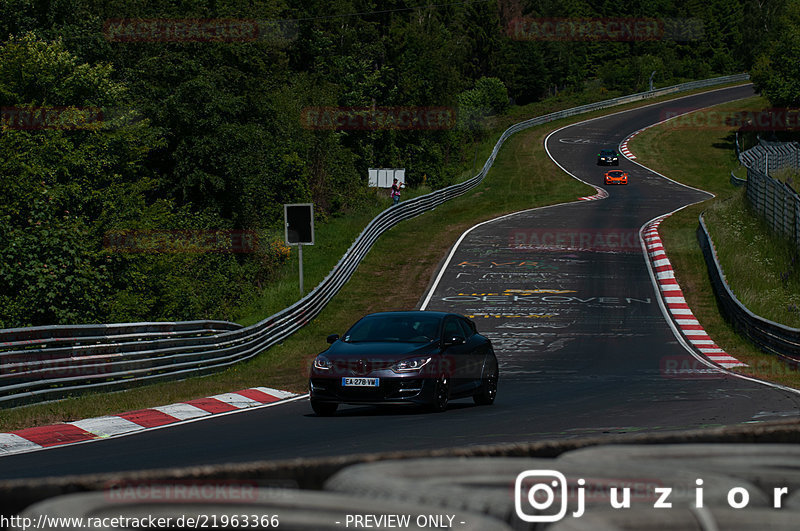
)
(360, 382)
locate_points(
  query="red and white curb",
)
(31, 439)
(675, 302)
(601, 194)
(623, 147)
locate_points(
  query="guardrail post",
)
(797, 224)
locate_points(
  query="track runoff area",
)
(567, 298)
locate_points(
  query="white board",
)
(384, 177)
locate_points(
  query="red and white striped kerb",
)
(676, 303)
(30, 439)
(625, 150)
(601, 194)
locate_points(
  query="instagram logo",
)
(536, 489)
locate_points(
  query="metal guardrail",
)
(737, 182)
(46, 363)
(770, 336)
(37, 336)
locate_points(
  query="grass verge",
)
(752, 258)
(522, 177)
(761, 267)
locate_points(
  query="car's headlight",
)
(321, 362)
(411, 364)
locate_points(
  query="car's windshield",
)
(396, 328)
(608, 152)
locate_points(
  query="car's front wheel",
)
(441, 395)
(324, 409)
(488, 389)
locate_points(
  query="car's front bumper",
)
(392, 390)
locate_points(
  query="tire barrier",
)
(758, 457)
(59, 362)
(496, 486)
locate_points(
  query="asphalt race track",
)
(565, 295)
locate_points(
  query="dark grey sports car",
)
(417, 357)
(608, 157)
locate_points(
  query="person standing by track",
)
(396, 192)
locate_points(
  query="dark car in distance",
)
(422, 358)
(608, 157)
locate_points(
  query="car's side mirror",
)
(333, 338)
(454, 340)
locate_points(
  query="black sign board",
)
(299, 220)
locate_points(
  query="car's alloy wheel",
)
(441, 395)
(488, 390)
(324, 409)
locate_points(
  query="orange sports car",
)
(616, 177)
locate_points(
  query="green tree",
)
(58, 180)
(776, 73)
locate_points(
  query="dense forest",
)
(194, 116)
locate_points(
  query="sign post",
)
(299, 226)
(300, 259)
